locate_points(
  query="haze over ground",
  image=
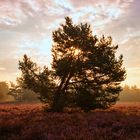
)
(27, 26)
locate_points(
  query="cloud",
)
(131, 49)
(26, 27)
(2, 68)
(19, 12)
(132, 76)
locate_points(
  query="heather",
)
(31, 122)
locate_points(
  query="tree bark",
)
(59, 99)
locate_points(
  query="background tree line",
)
(14, 93)
(4, 89)
(130, 94)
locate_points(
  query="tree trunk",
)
(58, 103)
(59, 99)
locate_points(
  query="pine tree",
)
(85, 70)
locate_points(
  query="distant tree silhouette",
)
(130, 94)
(85, 72)
(22, 95)
(4, 89)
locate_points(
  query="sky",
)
(26, 27)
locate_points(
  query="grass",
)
(29, 122)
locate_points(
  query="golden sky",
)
(26, 26)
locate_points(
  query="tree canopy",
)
(85, 71)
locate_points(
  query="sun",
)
(74, 51)
(77, 52)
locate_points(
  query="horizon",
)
(26, 28)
